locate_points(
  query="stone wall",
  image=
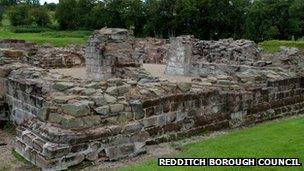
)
(153, 50)
(153, 121)
(106, 49)
(43, 56)
(28, 47)
(189, 56)
(52, 57)
(116, 118)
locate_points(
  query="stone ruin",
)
(112, 53)
(43, 56)
(153, 50)
(193, 57)
(50, 57)
(114, 114)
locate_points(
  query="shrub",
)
(1, 16)
(39, 16)
(19, 15)
(22, 14)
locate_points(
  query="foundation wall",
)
(156, 120)
(193, 57)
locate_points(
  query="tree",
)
(23, 14)
(135, 16)
(50, 6)
(74, 14)
(5, 4)
(19, 15)
(161, 15)
(1, 16)
(269, 19)
(30, 2)
(39, 16)
(297, 18)
(8, 3)
(98, 16)
(116, 9)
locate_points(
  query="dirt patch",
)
(157, 70)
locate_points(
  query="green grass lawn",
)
(274, 45)
(55, 38)
(284, 138)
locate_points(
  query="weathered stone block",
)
(80, 108)
(110, 99)
(91, 120)
(61, 86)
(112, 90)
(132, 127)
(184, 87)
(103, 110)
(126, 149)
(125, 117)
(38, 144)
(51, 150)
(99, 100)
(116, 108)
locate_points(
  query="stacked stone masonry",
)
(109, 120)
(152, 50)
(64, 121)
(50, 57)
(43, 56)
(193, 57)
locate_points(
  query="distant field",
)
(275, 139)
(56, 38)
(274, 45)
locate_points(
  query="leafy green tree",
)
(8, 2)
(269, 19)
(19, 15)
(160, 16)
(39, 16)
(116, 9)
(73, 14)
(30, 2)
(297, 18)
(23, 14)
(135, 16)
(50, 6)
(1, 16)
(98, 16)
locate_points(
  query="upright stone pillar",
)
(106, 49)
(179, 55)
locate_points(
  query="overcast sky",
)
(48, 1)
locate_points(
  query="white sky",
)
(48, 1)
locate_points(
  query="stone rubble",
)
(153, 50)
(43, 56)
(193, 57)
(50, 57)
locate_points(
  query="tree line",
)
(257, 20)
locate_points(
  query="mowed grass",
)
(274, 45)
(280, 139)
(55, 38)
